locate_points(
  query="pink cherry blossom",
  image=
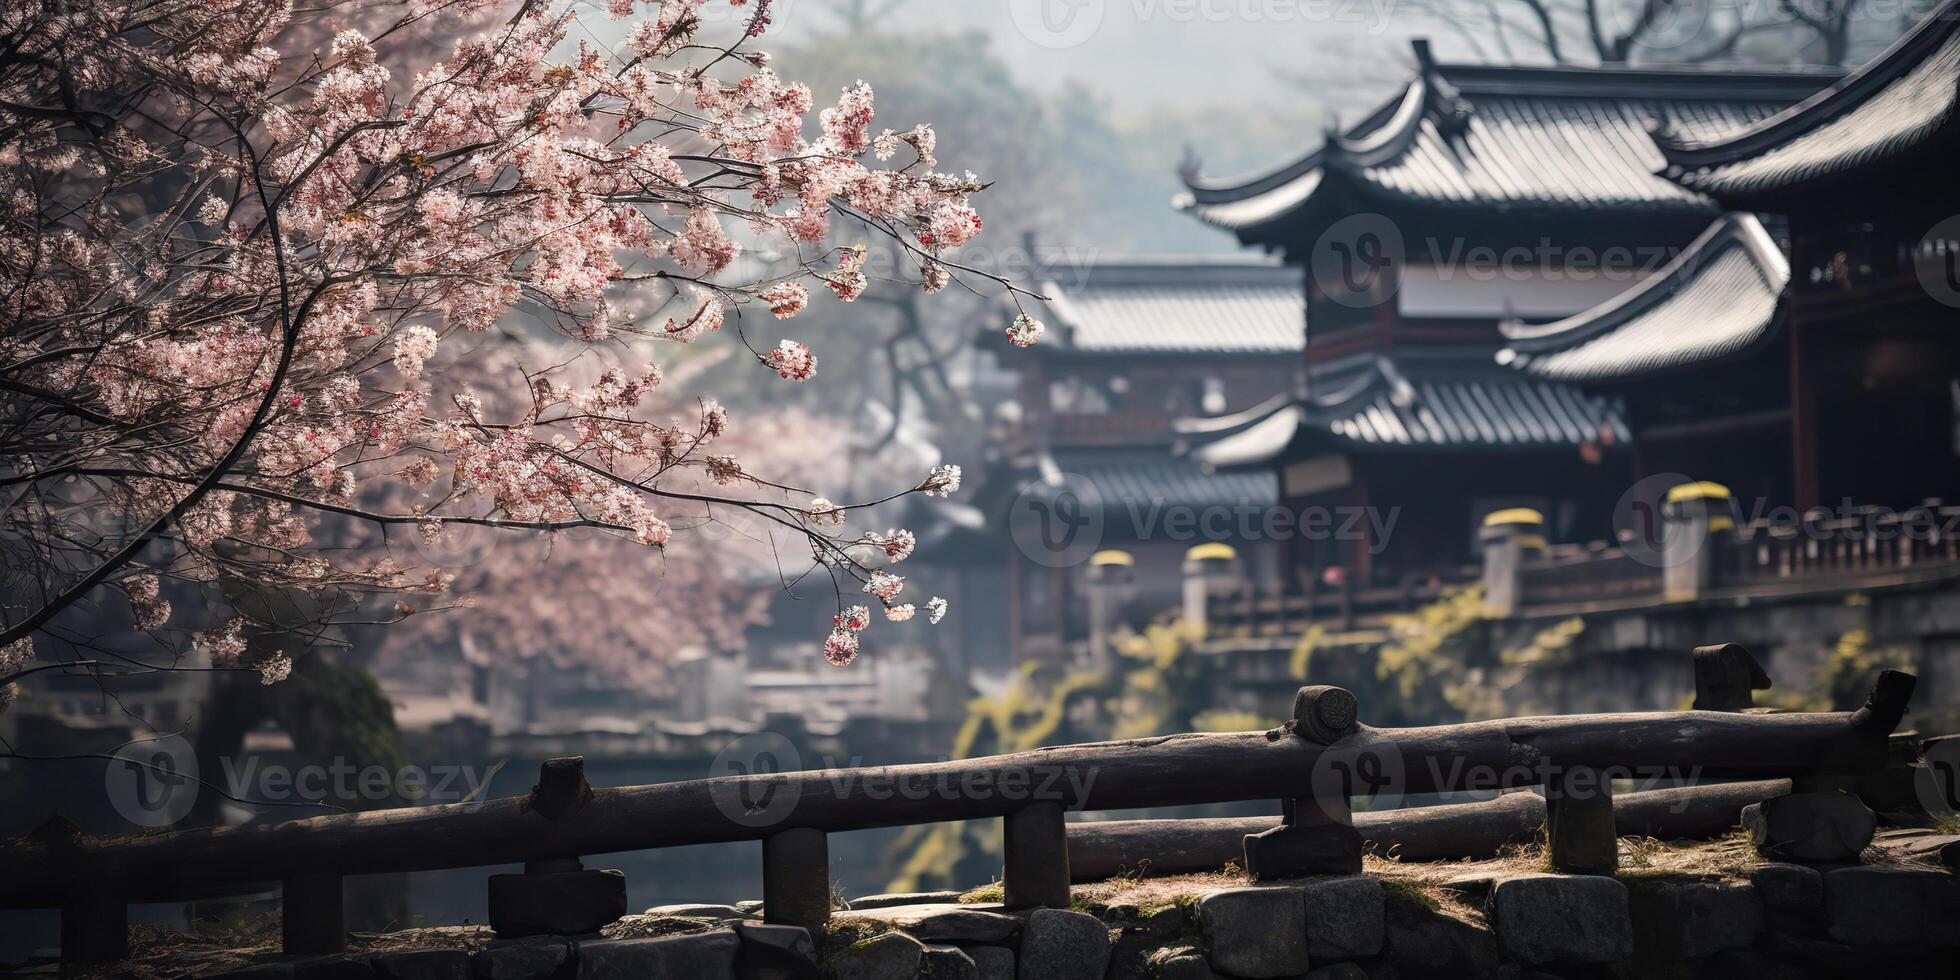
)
(231, 293)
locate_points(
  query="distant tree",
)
(230, 260)
(1826, 32)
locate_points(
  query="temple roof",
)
(1137, 481)
(1512, 138)
(1176, 306)
(1719, 298)
(1424, 407)
(1895, 108)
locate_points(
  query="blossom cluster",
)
(234, 308)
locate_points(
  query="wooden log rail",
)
(1106, 848)
(563, 819)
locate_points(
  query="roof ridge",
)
(1738, 228)
(1845, 96)
(1456, 84)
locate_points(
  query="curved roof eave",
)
(1702, 308)
(1841, 98)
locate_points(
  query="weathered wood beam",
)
(1579, 834)
(1317, 834)
(1727, 676)
(312, 914)
(796, 878)
(1106, 848)
(95, 925)
(1035, 857)
(1175, 770)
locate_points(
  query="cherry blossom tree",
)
(235, 261)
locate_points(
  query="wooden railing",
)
(563, 819)
(1860, 544)
(1248, 612)
(1845, 551)
(1572, 573)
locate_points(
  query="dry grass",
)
(158, 954)
(1149, 895)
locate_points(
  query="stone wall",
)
(1770, 920)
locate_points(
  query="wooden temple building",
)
(1140, 355)
(1460, 238)
(1532, 291)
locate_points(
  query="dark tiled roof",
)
(1718, 298)
(1432, 407)
(1515, 139)
(1900, 104)
(1127, 482)
(1178, 306)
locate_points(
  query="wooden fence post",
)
(556, 895)
(1036, 858)
(312, 916)
(1316, 835)
(1726, 677)
(94, 925)
(796, 878)
(1579, 833)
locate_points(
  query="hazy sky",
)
(1143, 53)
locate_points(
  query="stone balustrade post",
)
(1695, 519)
(1112, 576)
(1211, 571)
(1509, 537)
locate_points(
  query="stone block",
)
(1178, 963)
(1788, 887)
(1868, 906)
(1754, 964)
(1562, 919)
(1338, 971)
(942, 923)
(1345, 918)
(947, 963)
(520, 961)
(772, 952)
(1256, 932)
(892, 956)
(697, 956)
(1424, 942)
(259, 971)
(1063, 945)
(423, 964)
(1810, 826)
(1695, 919)
(1299, 850)
(906, 898)
(560, 903)
(991, 962)
(334, 968)
(696, 911)
(1140, 934)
